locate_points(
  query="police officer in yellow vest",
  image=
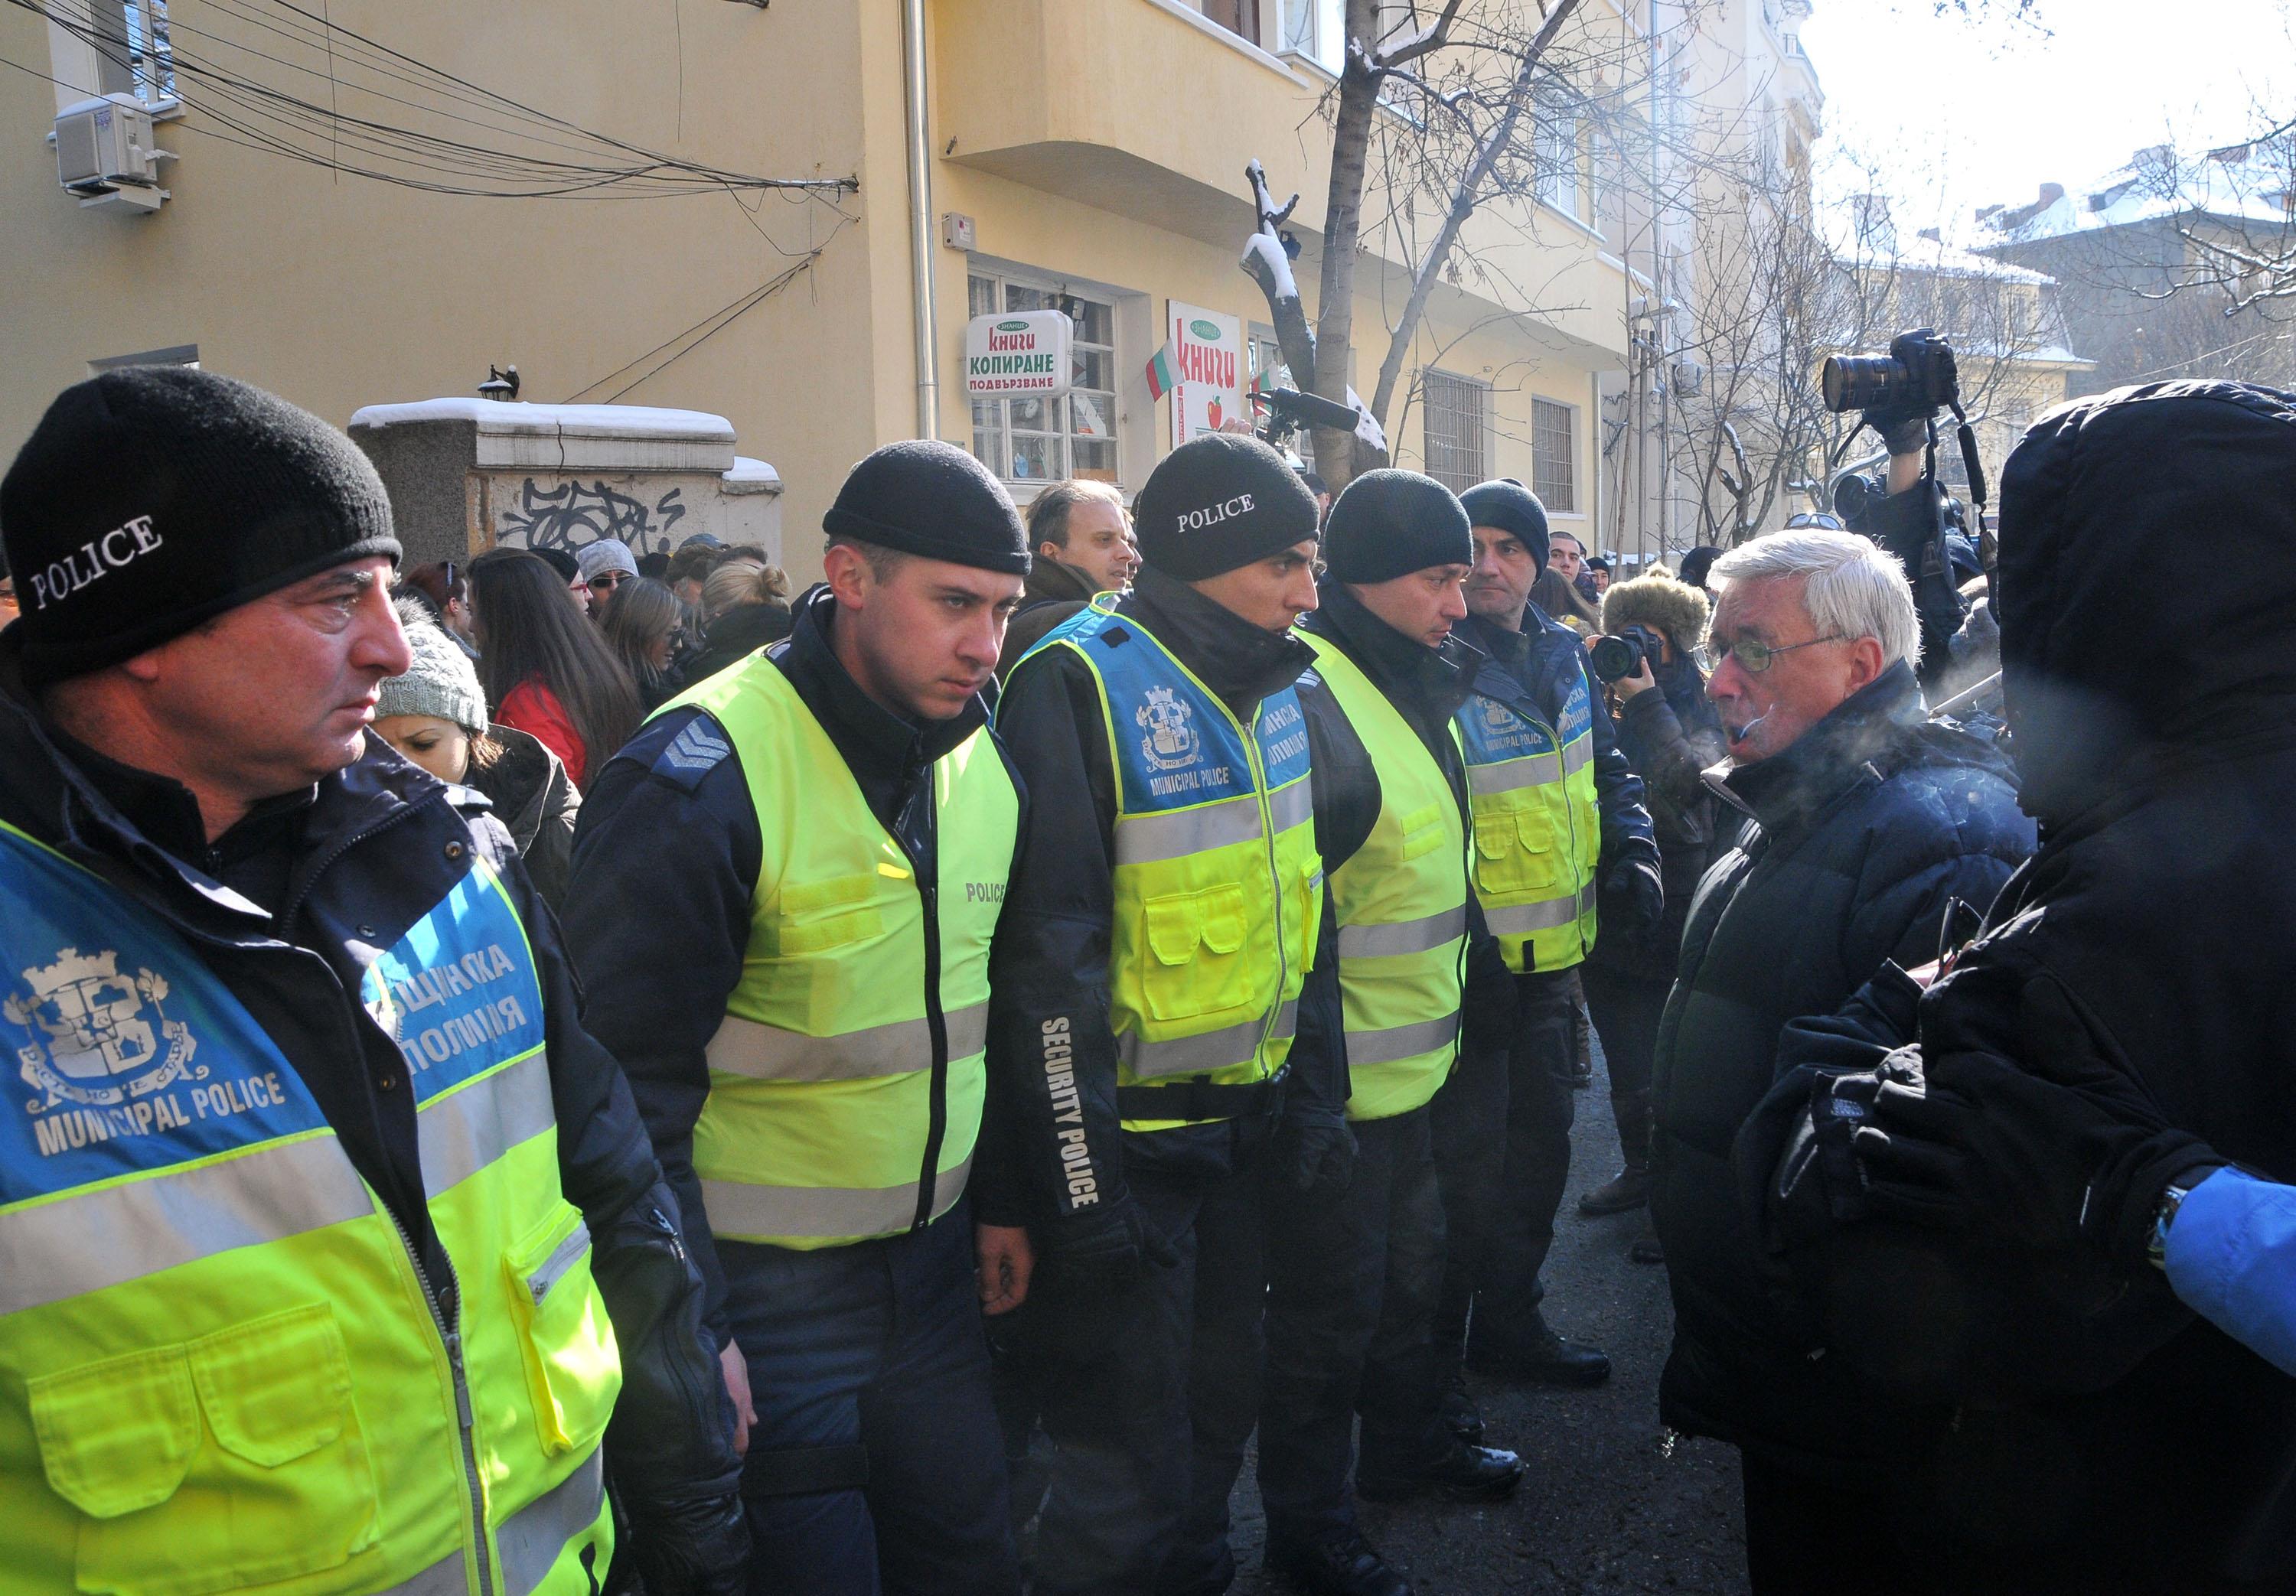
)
(1560, 838)
(1353, 1281)
(331, 1247)
(782, 895)
(1151, 997)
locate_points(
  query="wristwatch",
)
(2157, 1248)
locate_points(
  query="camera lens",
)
(1861, 381)
(1615, 659)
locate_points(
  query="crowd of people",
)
(571, 1073)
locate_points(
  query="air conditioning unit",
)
(1689, 378)
(106, 152)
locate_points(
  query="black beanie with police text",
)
(1218, 503)
(152, 499)
(931, 499)
(1389, 523)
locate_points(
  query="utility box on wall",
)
(467, 475)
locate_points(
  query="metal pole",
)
(920, 264)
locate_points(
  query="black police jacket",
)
(1050, 960)
(1864, 830)
(666, 863)
(2145, 956)
(351, 864)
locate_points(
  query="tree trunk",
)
(1335, 302)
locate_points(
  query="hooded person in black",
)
(2120, 1028)
(1140, 1348)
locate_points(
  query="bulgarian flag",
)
(1161, 379)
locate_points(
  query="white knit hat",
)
(440, 681)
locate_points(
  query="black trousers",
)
(1148, 1394)
(1625, 1010)
(1352, 1287)
(1502, 1130)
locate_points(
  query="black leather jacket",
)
(351, 864)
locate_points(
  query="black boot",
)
(1344, 1566)
(1630, 1187)
(1539, 1356)
(1461, 1416)
(1463, 1474)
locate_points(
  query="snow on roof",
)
(752, 476)
(578, 420)
(1933, 258)
(2243, 182)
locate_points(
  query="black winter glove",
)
(1977, 1143)
(1903, 426)
(1108, 1251)
(1632, 896)
(1318, 1156)
(695, 1548)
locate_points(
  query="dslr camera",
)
(1917, 377)
(1615, 659)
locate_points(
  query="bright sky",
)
(1955, 114)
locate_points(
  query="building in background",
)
(382, 205)
(2158, 263)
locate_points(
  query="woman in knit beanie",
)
(435, 716)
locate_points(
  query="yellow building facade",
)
(1087, 155)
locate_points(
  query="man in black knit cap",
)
(1150, 975)
(1353, 1281)
(782, 895)
(313, 1170)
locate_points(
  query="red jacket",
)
(533, 708)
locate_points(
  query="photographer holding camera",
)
(1898, 395)
(1669, 733)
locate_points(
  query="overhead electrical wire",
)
(499, 154)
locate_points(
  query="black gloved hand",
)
(1106, 1251)
(1928, 358)
(1632, 896)
(2026, 1160)
(1316, 1155)
(691, 1548)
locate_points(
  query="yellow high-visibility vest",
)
(1401, 902)
(1218, 886)
(1539, 834)
(220, 1364)
(864, 990)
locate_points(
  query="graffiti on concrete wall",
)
(573, 514)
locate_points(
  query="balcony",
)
(1144, 104)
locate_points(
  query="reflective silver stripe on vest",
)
(736, 1209)
(1176, 833)
(1223, 1049)
(530, 1543)
(470, 1127)
(1403, 935)
(1294, 805)
(533, 1537)
(767, 1052)
(1578, 755)
(1403, 1041)
(95, 1239)
(1509, 775)
(1522, 919)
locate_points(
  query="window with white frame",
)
(1554, 455)
(1041, 439)
(1457, 412)
(1556, 179)
(112, 47)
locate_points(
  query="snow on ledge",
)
(573, 421)
(752, 475)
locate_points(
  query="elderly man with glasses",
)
(1867, 823)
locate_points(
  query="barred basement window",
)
(1554, 455)
(1458, 412)
(1040, 439)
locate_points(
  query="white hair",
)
(1854, 589)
